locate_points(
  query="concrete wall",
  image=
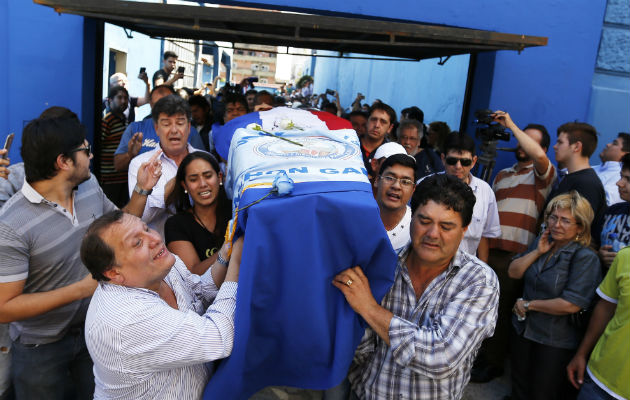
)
(43, 65)
(142, 51)
(609, 109)
(437, 89)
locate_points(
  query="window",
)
(255, 67)
(263, 80)
(264, 67)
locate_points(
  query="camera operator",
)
(520, 191)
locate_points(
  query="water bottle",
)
(617, 244)
(610, 239)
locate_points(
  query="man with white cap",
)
(382, 152)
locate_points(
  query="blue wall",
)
(610, 100)
(44, 58)
(437, 89)
(550, 85)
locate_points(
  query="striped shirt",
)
(434, 339)
(39, 244)
(521, 196)
(143, 348)
(112, 128)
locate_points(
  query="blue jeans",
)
(56, 371)
(591, 390)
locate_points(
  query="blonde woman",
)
(560, 274)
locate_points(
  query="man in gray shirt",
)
(44, 287)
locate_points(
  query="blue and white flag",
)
(292, 326)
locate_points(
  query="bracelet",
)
(141, 191)
(221, 260)
(526, 305)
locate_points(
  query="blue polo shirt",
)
(150, 139)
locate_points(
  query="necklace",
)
(199, 220)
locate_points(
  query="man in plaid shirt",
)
(424, 336)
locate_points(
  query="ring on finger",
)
(349, 282)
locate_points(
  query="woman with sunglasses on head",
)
(196, 232)
(560, 274)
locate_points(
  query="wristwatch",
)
(526, 305)
(141, 191)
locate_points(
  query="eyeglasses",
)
(404, 182)
(466, 162)
(565, 222)
(87, 149)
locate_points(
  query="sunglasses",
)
(87, 149)
(466, 162)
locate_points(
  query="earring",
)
(185, 191)
(220, 183)
(577, 237)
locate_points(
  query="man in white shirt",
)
(150, 326)
(459, 159)
(171, 118)
(395, 184)
(608, 171)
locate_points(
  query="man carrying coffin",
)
(423, 337)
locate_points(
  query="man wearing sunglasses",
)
(44, 287)
(459, 159)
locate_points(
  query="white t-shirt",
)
(399, 236)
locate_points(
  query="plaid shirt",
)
(433, 340)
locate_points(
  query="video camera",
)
(487, 129)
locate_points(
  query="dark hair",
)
(251, 91)
(446, 190)
(545, 140)
(358, 113)
(96, 255)
(625, 162)
(625, 137)
(43, 140)
(235, 98)
(115, 90)
(170, 105)
(399, 159)
(378, 105)
(59, 112)
(180, 199)
(330, 106)
(258, 100)
(459, 142)
(160, 88)
(583, 133)
(199, 101)
(169, 54)
(413, 113)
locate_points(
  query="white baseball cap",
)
(389, 149)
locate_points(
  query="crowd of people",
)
(531, 268)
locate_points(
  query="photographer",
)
(521, 191)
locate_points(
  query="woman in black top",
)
(196, 232)
(560, 274)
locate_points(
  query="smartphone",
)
(180, 70)
(142, 70)
(7, 144)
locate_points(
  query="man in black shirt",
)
(161, 76)
(576, 142)
(380, 123)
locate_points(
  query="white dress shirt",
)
(155, 212)
(609, 173)
(143, 348)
